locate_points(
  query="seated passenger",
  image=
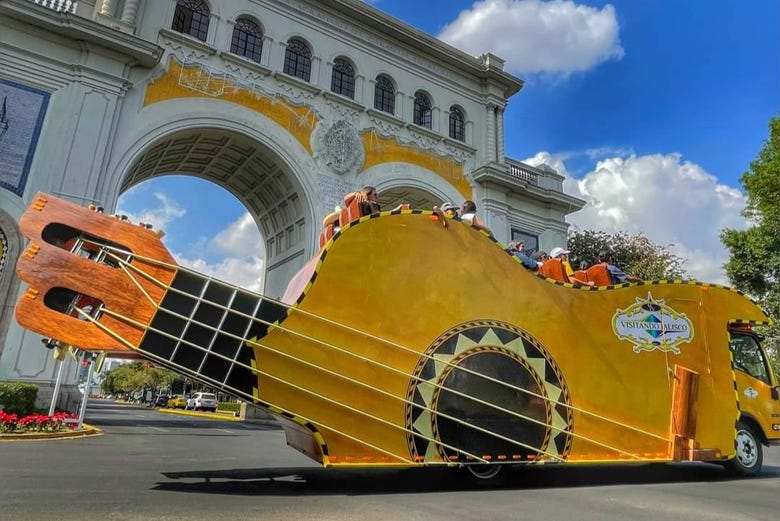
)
(563, 255)
(518, 250)
(617, 275)
(366, 198)
(447, 209)
(540, 256)
(468, 213)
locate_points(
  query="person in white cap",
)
(563, 255)
(447, 209)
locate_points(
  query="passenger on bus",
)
(540, 256)
(518, 250)
(617, 275)
(366, 198)
(563, 255)
(468, 213)
(446, 210)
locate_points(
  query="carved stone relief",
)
(337, 146)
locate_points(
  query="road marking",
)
(160, 429)
(224, 430)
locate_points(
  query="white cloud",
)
(236, 252)
(245, 272)
(166, 211)
(536, 36)
(673, 202)
(241, 255)
(241, 238)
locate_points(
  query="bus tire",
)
(749, 453)
(487, 475)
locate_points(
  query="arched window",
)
(423, 111)
(384, 94)
(297, 59)
(247, 39)
(457, 124)
(192, 17)
(343, 78)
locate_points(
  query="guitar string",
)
(303, 389)
(227, 310)
(370, 360)
(367, 359)
(211, 381)
(357, 331)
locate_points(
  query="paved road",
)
(150, 465)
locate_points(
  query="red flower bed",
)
(12, 424)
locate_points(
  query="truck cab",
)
(758, 395)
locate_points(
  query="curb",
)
(270, 422)
(85, 432)
(214, 416)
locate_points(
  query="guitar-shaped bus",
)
(404, 342)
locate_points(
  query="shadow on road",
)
(319, 481)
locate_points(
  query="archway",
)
(270, 189)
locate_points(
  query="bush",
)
(18, 398)
(229, 406)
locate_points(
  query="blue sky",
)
(652, 109)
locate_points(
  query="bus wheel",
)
(750, 454)
(487, 475)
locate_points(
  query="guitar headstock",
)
(94, 280)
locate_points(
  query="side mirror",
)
(776, 392)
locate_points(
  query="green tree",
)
(635, 254)
(754, 253)
(137, 375)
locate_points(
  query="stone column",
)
(268, 46)
(436, 117)
(500, 135)
(400, 106)
(359, 94)
(107, 7)
(316, 70)
(490, 145)
(129, 11)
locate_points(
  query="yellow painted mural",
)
(195, 82)
(380, 150)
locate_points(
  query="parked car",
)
(202, 402)
(177, 401)
(161, 400)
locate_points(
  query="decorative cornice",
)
(247, 68)
(499, 174)
(286, 81)
(462, 145)
(178, 42)
(140, 51)
(379, 117)
(400, 36)
(423, 131)
(351, 104)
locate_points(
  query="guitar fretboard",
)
(202, 327)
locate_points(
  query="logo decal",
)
(751, 393)
(650, 324)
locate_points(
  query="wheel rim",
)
(484, 471)
(747, 449)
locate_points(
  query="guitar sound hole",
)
(503, 414)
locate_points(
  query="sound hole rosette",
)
(491, 415)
